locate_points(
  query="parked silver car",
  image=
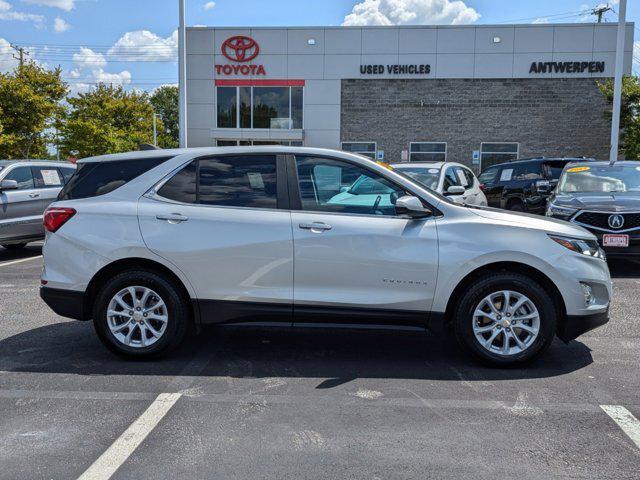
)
(27, 187)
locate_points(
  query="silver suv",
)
(27, 187)
(148, 244)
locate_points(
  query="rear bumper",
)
(576, 325)
(66, 303)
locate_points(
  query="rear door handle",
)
(316, 227)
(34, 195)
(172, 217)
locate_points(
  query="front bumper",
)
(66, 303)
(576, 325)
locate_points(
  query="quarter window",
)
(368, 149)
(328, 185)
(494, 153)
(259, 107)
(23, 176)
(233, 181)
(427, 152)
(67, 173)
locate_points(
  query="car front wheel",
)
(505, 319)
(140, 313)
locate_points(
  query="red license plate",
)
(609, 240)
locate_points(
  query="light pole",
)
(155, 130)
(617, 85)
(182, 75)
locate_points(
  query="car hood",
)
(547, 224)
(599, 202)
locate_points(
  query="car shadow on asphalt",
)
(624, 268)
(334, 356)
(31, 250)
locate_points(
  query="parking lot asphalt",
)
(308, 403)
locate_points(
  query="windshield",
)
(600, 179)
(427, 177)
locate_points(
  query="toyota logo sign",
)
(240, 48)
(616, 221)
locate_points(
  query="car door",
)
(356, 260)
(20, 209)
(492, 184)
(223, 222)
(48, 181)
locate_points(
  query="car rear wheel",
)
(15, 246)
(505, 319)
(140, 314)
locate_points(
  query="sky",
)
(134, 42)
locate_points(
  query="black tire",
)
(15, 246)
(178, 312)
(490, 283)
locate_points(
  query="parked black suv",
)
(523, 185)
(603, 198)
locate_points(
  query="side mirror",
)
(344, 189)
(543, 186)
(8, 185)
(455, 190)
(412, 207)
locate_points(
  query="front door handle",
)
(34, 195)
(316, 227)
(172, 217)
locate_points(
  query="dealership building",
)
(477, 94)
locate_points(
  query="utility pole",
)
(182, 76)
(617, 86)
(600, 11)
(21, 53)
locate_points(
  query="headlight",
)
(578, 245)
(562, 212)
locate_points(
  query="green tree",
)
(629, 115)
(165, 102)
(107, 119)
(31, 100)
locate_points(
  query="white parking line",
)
(107, 464)
(625, 420)
(6, 264)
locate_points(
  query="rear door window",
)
(100, 178)
(231, 181)
(47, 177)
(23, 176)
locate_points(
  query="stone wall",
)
(548, 117)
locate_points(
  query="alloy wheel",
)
(506, 323)
(137, 316)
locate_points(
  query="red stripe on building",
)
(259, 83)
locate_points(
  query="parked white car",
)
(147, 244)
(451, 179)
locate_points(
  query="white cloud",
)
(87, 58)
(636, 57)
(60, 26)
(122, 78)
(66, 5)
(145, 45)
(7, 13)
(209, 5)
(411, 12)
(7, 62)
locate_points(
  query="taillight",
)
(483, 187)
(55, 217)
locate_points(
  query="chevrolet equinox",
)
(149, 244)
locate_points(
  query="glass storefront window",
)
(227, 102)
(368, 149)
(271, 107)
(498, 152)
(427, 152)
(260, 107)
